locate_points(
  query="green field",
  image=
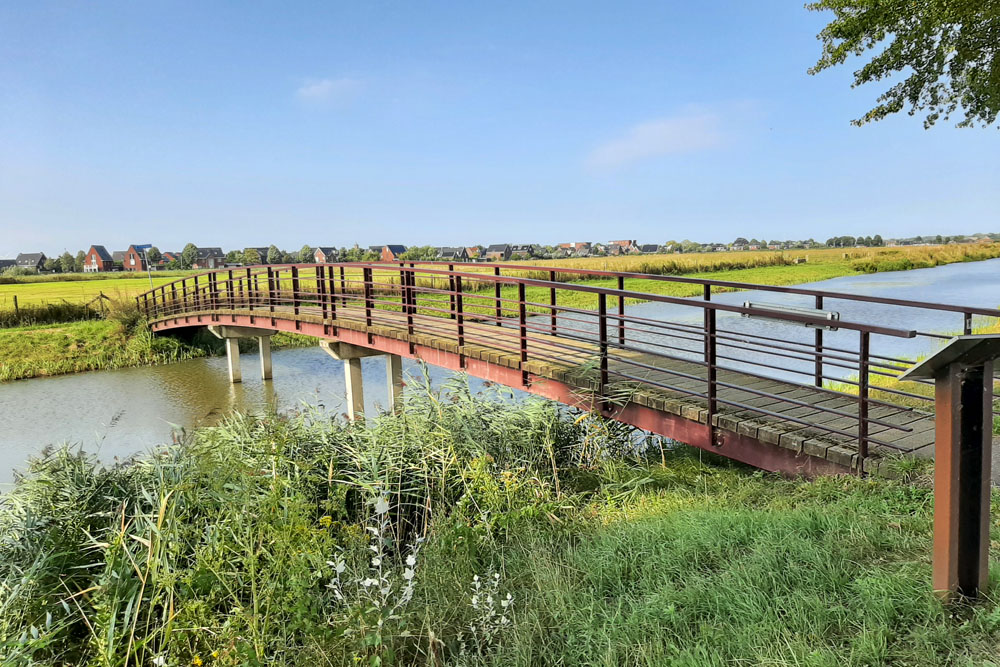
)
(769, 268)
(76, 291)
(470, 531)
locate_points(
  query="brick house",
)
(391, 253)
(453, 254)
(472, 252)
(325, 254)
(524, 251)
(133, 259)
(98, 259)
(498, 252)
(31, 260)
(209, 258)
(624, 247)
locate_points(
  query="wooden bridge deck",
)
(570, 365)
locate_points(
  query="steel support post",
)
(964, 406)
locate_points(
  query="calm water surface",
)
(119, 413)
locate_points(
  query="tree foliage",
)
(949, 51)
(251, 257)
(189, 255)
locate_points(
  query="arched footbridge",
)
(783, 378)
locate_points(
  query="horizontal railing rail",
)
(724, 371)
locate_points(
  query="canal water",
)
(118, 413)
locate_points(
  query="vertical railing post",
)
(621, 311)
(522, 321)
(197, 295)
(712, 373)
(863, 400)
(460, 321)
(967, 323)
(321, 290)
(230, 292)
(184, 296)
(451, 292)
(214, 294)
(270, 288)
(331, 294)
(296, 296)
(366, 274)
(552, 303)
(602, 337)
(145, 304)
(707, 296)
(403, 292)
(818, 362)
(343, 287)
(173, 297)
(411, 304)
(496, 296)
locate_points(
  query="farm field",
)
(771, 268)
(76, 290)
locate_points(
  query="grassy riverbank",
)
(466, 532)
(102, 344)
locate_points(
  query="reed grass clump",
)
(468, 530)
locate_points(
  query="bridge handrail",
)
(704, 282)
(790, 317)
(383, 290)
(888, 301)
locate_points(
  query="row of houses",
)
(98, 259)
(25, 260)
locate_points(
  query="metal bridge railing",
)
(547, 318)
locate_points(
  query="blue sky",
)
(244, 123)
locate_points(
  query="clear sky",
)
(250, 123)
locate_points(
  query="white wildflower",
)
(381, 506)
(411, 560)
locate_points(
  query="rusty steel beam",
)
(964, 432)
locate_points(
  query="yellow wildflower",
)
(326, 521)
(196, 661)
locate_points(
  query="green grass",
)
(77, 290)
(42, 350)
(253, 543)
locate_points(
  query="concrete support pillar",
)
(265, 356)
(351, 355)
(355, 389)
(394, 378)
(233, 356)
(231, 336)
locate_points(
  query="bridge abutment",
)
(351, 355)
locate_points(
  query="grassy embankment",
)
(120, 339)
(466, 532)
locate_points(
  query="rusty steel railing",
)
(547, 317)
